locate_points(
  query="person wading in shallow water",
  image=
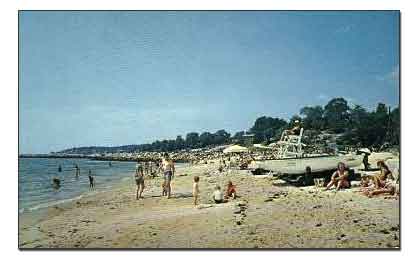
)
(91, 179)
(77, 171)
(168, 169)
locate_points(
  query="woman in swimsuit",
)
(339, 178)
(139, 180)
(379, 180)
(168, 169)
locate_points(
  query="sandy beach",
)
(264, 216)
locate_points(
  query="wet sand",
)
(264, 216)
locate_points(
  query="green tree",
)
(221, 137)
(206, 139)
(180, 143)
(265, 128)
(395, 126)
(336, 114)
(360, 129)
(380, 124)
(313, 117)
(192, 140)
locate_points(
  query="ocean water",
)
(36, 174)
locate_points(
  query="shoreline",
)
(274, 217)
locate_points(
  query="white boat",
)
(298, 165)
(291, 158)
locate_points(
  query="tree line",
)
(356, 126)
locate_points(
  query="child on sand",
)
(164, 190)
(230, 190)
(217, 195)
(196, 190)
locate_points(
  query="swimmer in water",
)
(56, 183)
(59, 168)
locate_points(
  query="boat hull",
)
(298, 165)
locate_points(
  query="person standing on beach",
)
(91, 179)
(168, 169)
(150, 168)
(139, 180)
(145, 167)
(196, 190)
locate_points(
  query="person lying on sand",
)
(217, 195)
(196, 190)
(339, 178)
(230, 190)
(389, 188)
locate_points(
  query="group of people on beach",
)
(168, 170)
(56, 182)
(217, 195)
(382, 182)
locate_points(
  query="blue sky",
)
(114, 78)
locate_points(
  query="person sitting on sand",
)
(379, 180)
(230, 190)
(139, 180)
(390, 187)
(217, 195)
(196, 190)
(339, 178)
(168, 169)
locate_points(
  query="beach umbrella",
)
(365, 150)
(235, 149)
(260, 146)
